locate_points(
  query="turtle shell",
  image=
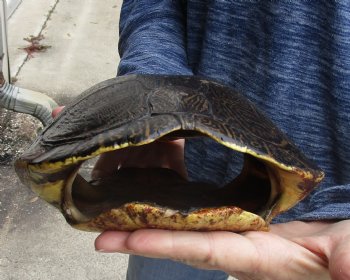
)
(137, 110)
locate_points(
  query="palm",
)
(293, 250)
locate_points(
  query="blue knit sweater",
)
(291, 58)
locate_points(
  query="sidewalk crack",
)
(44, 25)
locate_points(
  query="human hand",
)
(165, 154)
(294, 250)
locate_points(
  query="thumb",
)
(339, 261)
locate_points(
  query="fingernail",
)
(56, 111)
(100, 250)
(130, 252)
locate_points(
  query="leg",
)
(141, 268)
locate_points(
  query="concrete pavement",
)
(81, 35)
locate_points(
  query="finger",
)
(156, 154)
(329, 240)
(108, 241)
(176, 153)
(168, 154)
(339, 262)
(158, 244)
(114, 241)
(108, 163)
(255, 253)
(56, 111)
(203, 249)
(296, 261)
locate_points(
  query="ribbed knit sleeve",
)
(291, 58)
(152, 38)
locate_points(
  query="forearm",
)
(152, 38)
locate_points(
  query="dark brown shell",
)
(135, 109)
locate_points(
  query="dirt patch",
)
(17, 132)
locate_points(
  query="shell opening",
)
(255, 190)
